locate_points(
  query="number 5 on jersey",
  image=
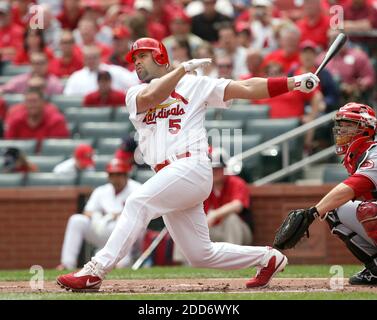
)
(174, 125)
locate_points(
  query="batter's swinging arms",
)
(168, 112)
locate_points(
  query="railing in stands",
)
(287, 169)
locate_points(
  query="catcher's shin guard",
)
(360, 248)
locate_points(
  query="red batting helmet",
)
(159, 53)
(117, 166)
(363, 115)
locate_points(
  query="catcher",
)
(353, 221)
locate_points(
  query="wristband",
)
(277, 86)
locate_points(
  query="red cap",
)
(117, 166)
(121, 32)
(84, 156)
(308, 44)
(180, 15)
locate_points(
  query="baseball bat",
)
(150, 249)
(338, 43)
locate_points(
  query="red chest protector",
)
(357, 153)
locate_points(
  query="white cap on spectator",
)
(144, 4)
(261, 3)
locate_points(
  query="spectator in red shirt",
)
(70, 15)
(354, 72)
(33, 42)
(288, 54)
(315, 24)
(36, 123)
(71, 58)
(155, 29)
(121, 45)
(10, 34)
(227, 206)
(359, 15)
(39, 67)
(20, 12)
(87, 30)
(105, 95)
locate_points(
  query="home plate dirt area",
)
(195, 285)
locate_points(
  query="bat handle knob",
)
(309, 84)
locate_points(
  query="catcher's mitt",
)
(294, 227)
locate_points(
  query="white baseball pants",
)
(177, 193)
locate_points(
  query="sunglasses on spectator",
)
(222, 65)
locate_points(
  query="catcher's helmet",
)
(159, 53)
(117, 166)
(365, 118)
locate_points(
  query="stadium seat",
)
(143, 175)
(64, 102)
(121, 115)
(80, 115)
(62, 147)
(108, 145)
(14, 70)
(102, 160)
(27, 146)
(211, 114)
(50, 179)
(11, 99)
(104, 129)
(223, 124)
(246, 113)
(46, 163)
(271, 128)
(10, 180)
(93, 179)
(334, 173)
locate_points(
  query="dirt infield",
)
(195, 285)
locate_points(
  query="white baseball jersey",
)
(103, 199)
(177, 124)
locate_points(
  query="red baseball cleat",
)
(276, 263)
(88, 279)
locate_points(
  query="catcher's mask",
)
(353, 121)
(159, 53)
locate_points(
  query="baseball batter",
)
(168, 112)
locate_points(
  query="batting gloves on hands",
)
(306, 82)
(191, 65)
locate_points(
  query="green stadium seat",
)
(246, 113)
(334, 173)
(14, 70)
(102, 160)
(11, 99)
(104, 129)
(223, 124)
(46, 163)
(79, 115)
(271, 128)
(211, 114)
(108, 145)
(62, 147)
(93, 179)
(143, 175)
(50, 179)
(11, 180)
(64, 102)
(121, 115)
(27, 146)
